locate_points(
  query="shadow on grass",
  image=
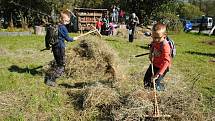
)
(200, 53)
(141, 55)
(32, 71)
(80, 85)
(143, 47)
(210, 89)
(77, 99)
(113, 40)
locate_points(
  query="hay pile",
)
(92, 60)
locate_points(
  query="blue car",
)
(188, 26)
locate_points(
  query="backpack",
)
(172, 47)
(51, 37)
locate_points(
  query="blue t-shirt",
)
(63, 35)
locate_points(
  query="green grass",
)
(193, 56)
(21, 78)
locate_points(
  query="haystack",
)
(92, 60)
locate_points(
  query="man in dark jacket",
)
(132, 23)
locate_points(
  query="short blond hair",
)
(159, 27)
(64, 16)
(65, 12)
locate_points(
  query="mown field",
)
(24, 96)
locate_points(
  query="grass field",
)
(24, 96)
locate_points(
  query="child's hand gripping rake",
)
(156, 113)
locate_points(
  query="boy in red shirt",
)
(160, 57)
(99, 24)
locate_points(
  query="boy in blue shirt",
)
(59, 49)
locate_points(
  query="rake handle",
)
(156, 108)
(86, 33)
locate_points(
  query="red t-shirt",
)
(99, 24)
(162, 56)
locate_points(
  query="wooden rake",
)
(91, 31)
(156, 114)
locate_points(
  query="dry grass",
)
(122, 32)
(3, 51)
(99, 95)
(9, 102)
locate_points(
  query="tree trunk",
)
(11, 21)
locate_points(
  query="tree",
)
(169, 14)
(145, 8)
(190, 11)
(207, 6)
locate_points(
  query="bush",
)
(172, 21)
(190, 11)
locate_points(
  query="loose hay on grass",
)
(100, 95)
(3, 51)
(97, 102)
(137, 104)
(182, 104)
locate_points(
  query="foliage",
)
(207, 6)
(172, 21)
(168, 14)
(61, 4)
(190, 11)
(170, 7)
(142, 9)
(145, 9)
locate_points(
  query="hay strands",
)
(156, 114)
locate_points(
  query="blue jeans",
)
(148, 75)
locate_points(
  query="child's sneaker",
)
(160, 87)
(50, 83)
